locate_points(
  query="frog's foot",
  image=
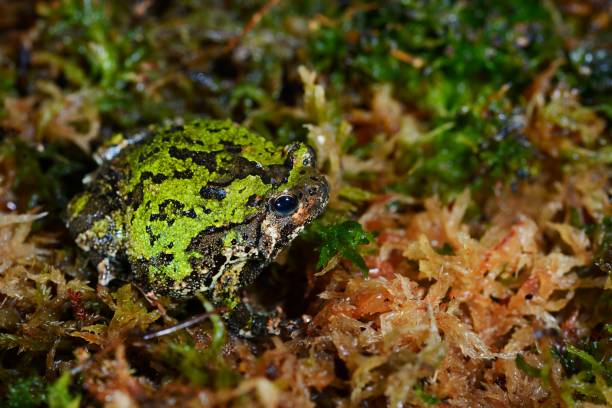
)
(105, 275)
(245, 322)
(248, 323)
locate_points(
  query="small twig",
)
(253, 21)
(180, 326)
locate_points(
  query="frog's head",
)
(295, 203)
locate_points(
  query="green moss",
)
(472, 152)
(458, 53)
(427, 398)
(455, 61)
(530, 370)
(27, 392)
(588, 370)
(130, 313)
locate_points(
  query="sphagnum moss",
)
(478, 134)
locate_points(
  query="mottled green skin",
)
(189, 208)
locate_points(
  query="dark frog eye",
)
(285, 205)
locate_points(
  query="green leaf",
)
(58, 393)
(344, 239)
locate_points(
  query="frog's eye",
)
(285, 205)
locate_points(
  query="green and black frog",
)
(199, 207)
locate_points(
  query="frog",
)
(198, 207)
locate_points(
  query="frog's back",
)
(186, 182)
(204, 148)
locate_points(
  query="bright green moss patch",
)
(442, 55)
(474, 151)
(469, 67)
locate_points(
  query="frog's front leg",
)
(98, 230)
(242, 316)
(247, 321)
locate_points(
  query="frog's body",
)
(196, 208)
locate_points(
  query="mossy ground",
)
(465, 258)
